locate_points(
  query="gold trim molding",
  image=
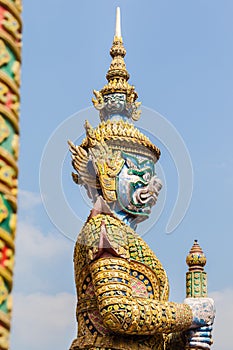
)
(7, 275)
(9, 159)
(4, 189)
(5, 320)
(10, 116)
(7, 38)
(10, 6)
(10, 82)
(5, 236)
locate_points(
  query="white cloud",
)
(28, 200)
(43, 293)
(44, 263)
(31, 242)
(223, 328)
(43, 321)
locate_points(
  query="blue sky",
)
(179, 55)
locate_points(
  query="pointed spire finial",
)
(118, 77)
(118, 23)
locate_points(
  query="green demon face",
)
(137, 185)
(115, 103)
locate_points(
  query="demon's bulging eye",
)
(146, 177)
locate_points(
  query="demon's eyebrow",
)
(134, 163)
(139, 172)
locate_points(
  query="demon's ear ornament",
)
(107, 163)
(98, 101)
(80, 159)
(132, 105)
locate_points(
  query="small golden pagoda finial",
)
(196, 279)
(118, 77)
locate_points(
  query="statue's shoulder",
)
(139, 250)
(101, 233)
(104, 233)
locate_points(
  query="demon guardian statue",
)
(122, 287)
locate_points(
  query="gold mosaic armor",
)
(123, 291)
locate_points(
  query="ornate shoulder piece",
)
(104, 233)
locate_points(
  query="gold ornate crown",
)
(103, 145)
(120, 135)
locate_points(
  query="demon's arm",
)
(123, 313)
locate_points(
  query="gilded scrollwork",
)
(10, 58)
(4, 54)
(11, 24)
(18, 4)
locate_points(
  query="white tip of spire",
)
(118, 22)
